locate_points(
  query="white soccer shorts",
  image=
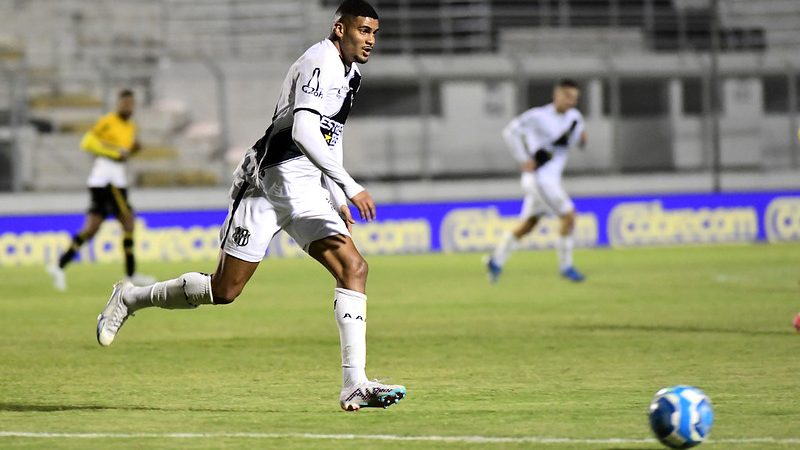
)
(543, 196)
(254, 218)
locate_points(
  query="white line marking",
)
(378, 437)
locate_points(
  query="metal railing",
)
(476, 26)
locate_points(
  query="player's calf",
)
(188, 291)
(225, 293)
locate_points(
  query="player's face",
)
(356, 38)
(125, 106)
(565, 98)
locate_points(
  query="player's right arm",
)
(522, 140)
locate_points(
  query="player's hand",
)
(528, 166)
(365, 205)
(582, 141)
(123, 155)
(344, 213)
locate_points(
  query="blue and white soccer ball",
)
(681, 416)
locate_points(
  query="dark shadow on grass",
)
(18, 407)
(682, 329)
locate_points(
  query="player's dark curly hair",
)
(356, 8)
(568, 83)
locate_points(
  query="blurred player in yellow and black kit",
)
(112, 140)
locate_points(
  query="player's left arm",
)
(582, 141)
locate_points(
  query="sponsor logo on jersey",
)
(241, 236)
(331, 130)
(312, 87)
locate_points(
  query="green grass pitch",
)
(533, 357)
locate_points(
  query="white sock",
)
(350, 309)
(504, 249)
(185, 292)
(565, 246)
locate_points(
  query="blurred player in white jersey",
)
(293, 180)
(112, 140)
(540, 139)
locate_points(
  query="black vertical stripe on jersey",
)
(239, 196)
(347, 103)
(277, 147)
(261, 145)
(563, 141)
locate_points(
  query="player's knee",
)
(356, 269)
(570, 217)
(91, 229)
(526, 227)
(127, 224)
(222, 301)
(225, 293)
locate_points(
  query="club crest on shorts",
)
(241, 236)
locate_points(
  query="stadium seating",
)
(470, 61)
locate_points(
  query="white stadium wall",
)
(462, 135)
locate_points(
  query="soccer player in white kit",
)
(293, 180)
(540, 139)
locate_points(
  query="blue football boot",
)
(572, 275)
(492, 269)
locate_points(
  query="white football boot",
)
(113, 316)
(59, 279)
(371, 394)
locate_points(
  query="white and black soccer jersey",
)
(281, 186)
(318, 82)
(544, 128)
(544, 135)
